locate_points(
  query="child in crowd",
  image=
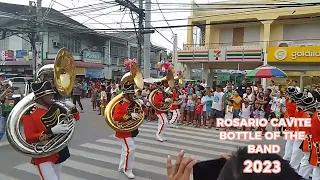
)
(260, 97)
(198, 112)
(246, 110)
(204, 109)
(229, 111)
(103, 97)
(190, 108)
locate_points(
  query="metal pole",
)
(139, 55)
(147, 48)
(39, 37)
(175, 53)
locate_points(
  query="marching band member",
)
(305, 169)
(290, 111)
(123, 112)
(297, 154)
(40, 125)
(162, 117)
(175, 109)
(315, 138)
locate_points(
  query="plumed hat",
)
(298, 98)
(309, 103)
(128, 88)
(41, 89)
(291, 91)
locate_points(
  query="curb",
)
(4, 143)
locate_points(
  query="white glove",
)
(69, 104)
(167, 100)
(60, 128)
(181, 96)
(134, 116)
(140, 101)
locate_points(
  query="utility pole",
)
(175, 52)
(39, 36)
(140, 11)
(32, 34)
(147, 48)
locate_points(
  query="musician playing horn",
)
(174, 109)
(124, 111)
(162, 116)
(40, 124)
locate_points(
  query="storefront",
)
(301, 64)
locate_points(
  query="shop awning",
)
(79, 64)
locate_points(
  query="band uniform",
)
(40, 125)
(175, 109)
(122, 112)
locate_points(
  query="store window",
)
(72, 44)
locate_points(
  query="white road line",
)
(112, 160)
(5, 177)
(165, 152)
(97, 170)
(4, 143)
(117, 151)
(195, 137)
(27, 167)
(184, 128)
(196, 143)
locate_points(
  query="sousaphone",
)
(134, 76)
(62, 74)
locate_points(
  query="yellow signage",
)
(80, 71)
(294, 54)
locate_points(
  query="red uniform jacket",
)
(290, 111)
(315, 137)
(307, 143)
(298, 114)
(174, 98)
(120, 114)
(158, 101)
(37, 123)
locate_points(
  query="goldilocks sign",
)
(294, 54)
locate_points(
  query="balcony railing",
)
(253, 44)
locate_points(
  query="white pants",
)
(305, 168)
(316, 173)
(49, 171)
(288, 150)
(297, 155)
(175, 116)
(127, 153)
(162, 123)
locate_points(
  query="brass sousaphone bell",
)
(134, 76)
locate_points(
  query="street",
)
(95, 152)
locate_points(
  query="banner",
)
(294, 54)
(7, 55)
(22, 55)
(94, 73)
(92, 57)
(80, 71)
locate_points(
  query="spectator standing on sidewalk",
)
(76, 94)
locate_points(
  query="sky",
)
(107, 18)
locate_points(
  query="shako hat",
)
(309, 103)
(316, 95)
(291, 91)
(298, 98)
(41, 89)
(128, 88)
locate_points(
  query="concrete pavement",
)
(95, 152)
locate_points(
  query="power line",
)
(164, 17)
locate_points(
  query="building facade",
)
(97, 55)
(241, 39)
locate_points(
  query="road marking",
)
(117, 151)
(5, 177)
(196, 137)
(183, 128)
(165, 152)
(96, 170)
(4, 143)
(112, 160)
(196, 143)
(27, 167)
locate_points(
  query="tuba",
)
(130, 125)
(62, 73)
(166, 105)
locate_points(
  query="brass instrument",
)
(180, 78)
(134, 76)
(62, 68)
(166, 106)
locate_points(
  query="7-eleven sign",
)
(217, 55)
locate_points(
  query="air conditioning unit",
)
(285, 43)
(56, 44)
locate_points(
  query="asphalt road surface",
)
(95, 152)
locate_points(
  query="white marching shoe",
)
(129, 174)
(159, 138)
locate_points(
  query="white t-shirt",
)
(203, 101)
(250, 97)
(217, 101)
(245, 111)
(103, 95)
